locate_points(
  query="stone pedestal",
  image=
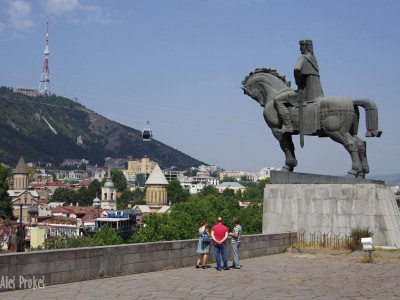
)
(332, 208)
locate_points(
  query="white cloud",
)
(93, 14)
(61, 6)
(19, 14)
(76, 12)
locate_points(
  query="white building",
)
(235, 186)
(265, 173)
(71, 174)
(109, 194)
(195, 184)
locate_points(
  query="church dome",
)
(157, 177)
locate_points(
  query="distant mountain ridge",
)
(392, 180)
(52, 128)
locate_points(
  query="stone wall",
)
(68, 265)
(332, 208)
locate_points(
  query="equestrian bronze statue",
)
(288, 112)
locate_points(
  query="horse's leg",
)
(287, 146)
(362, 152)
(351, 145)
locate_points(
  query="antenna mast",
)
(45, 79)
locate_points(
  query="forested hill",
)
(52, 128)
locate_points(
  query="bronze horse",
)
(335, 117)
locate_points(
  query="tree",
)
(64, 195)
(119, 180)
(251, 218)
(228, 193)
(176, 193)
(153, 231)
(228, 179)
(84, 196)
(138, 196)
(32, 175)
(5, 199)
(94, 188)
(243, 178)
(125, 198)
(185, 217)
(253, 192)
(209, 190)
(106, 236)
(191, 172)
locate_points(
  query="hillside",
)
(392, 180)
(53, 128)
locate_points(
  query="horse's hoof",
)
(373, 133)
(352, 174)
(285, 129)
(287, 169)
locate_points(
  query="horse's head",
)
(254, 93)
(264, 83)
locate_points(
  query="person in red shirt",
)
(219, 234)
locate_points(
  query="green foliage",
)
(228, 179)
(229, 193)
(191, 172)
(209, 190)
(32, 175)
(185, 217)
(119, 180)
(176, 193)
(255, 191)
(65, 195)
(131, 197)
(106, 236)
(125, 198)
(251, 218)
(84, 196)
(355, 237)
(155, 229)
(94, 188)
(66, 241)
(5, 199)
(138, 196)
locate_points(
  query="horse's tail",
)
(371, 116)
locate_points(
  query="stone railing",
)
(77, 264)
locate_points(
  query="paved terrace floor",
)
(281, 276)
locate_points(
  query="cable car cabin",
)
(147, 135)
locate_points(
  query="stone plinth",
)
(332, 208)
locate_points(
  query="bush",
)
(355, 238)
(104, 236)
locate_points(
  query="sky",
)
(179, 65)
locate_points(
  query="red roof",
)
(84, 182)
(77, 210)
(57, 183)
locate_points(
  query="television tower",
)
(45, 79)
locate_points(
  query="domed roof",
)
(157, 177)
(21, 167)
(109, 183)
(96, 201)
